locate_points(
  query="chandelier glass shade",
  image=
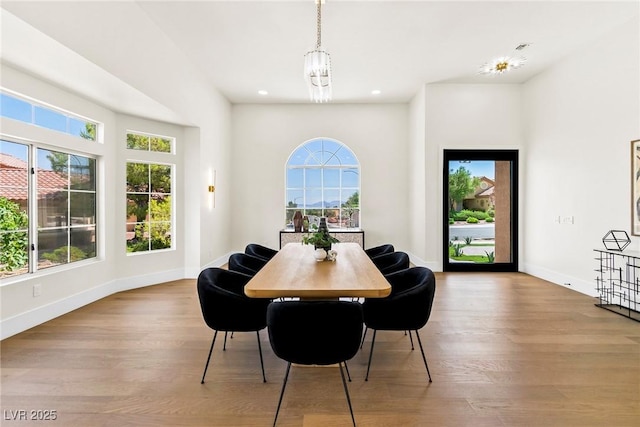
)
(317, 66)
(317, 72)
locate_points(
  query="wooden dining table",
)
(294, 272)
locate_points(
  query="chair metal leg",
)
(410, 338)
(346, 392)
(264, 378)
(224, 345)
(373, 341)
(347, 369)
(363, 337)
(209, 357)
(423, 356)
(284, 384)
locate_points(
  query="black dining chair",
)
(407, 308)
(244, 263)
(380, 250)
(315, 333)
(260, 251)
(226, 308)
(392, 262)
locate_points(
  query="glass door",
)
(480, 210)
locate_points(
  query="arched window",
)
(323, 179)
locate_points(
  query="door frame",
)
(477, 155)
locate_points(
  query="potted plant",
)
(319, 238)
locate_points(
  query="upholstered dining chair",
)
(407, 308)
(244, 263)
(392, 262)
(226, 308)
(380, 250)
(260, 251)
(315, 333)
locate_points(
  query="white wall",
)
(68, 287)
(265, 135)
(461, 116)
(417, 185)
(581, 116)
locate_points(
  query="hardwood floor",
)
(503, 349)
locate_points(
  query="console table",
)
(344, 235)
(618, 282)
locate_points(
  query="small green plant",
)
(457, 249)
(489, 219)
(472, 220)
(490, 257)
(467, 240)
(319, 239)
(451, 221)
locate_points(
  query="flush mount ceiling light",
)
(504, 63)
(317, 65)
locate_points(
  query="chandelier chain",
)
(319, 25)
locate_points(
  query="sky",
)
(477, 168)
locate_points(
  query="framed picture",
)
(635, 187)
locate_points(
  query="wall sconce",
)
(211, 189)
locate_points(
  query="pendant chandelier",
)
(317, 66)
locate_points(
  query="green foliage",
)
(479, 215)
(455, 249)
(467, 240)
(320, 239)
(464, 214)
(159, 229)
(472, 220)
(489, 219)
(148, 143)
(491, 213)
(13, 236)
(59, 256)
(89, 131)
(490, 257)
(451, 221)
(353, 201)
(461, 183)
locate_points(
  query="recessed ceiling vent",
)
(522, 46)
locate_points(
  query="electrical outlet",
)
(567, 219)
(556, 219)
(37, 290)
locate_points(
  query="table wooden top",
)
(294, 272)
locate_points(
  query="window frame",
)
(324, 162)
(151, 158)
(33, 207)
(35, 105)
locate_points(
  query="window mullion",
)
(32, 208)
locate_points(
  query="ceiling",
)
(241, 47)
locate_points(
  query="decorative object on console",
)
(616, 240)
(297, 221)
(635, 187)
(305, 224)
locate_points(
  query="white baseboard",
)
(29, 319)
(419, 262)
(564, 280)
